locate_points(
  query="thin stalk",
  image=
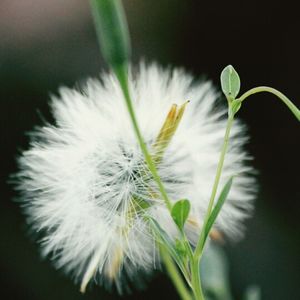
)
(201, 242)
(174, 275)
(196, 280)
(275, 92)
(121, 73)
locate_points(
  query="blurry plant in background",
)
(175, 243)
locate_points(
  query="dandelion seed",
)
(86, 187)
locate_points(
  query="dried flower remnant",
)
(87, 189)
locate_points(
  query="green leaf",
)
(235, 106)
(180, 248)
(180, 212)
(112, 31)
(230, 82)
(218, 206)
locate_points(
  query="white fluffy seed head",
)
(83, 179)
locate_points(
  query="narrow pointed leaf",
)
(218, 206)
(180, 212)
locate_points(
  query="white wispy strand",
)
(80, 177)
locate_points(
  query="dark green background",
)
(43, 46)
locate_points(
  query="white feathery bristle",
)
(81, 177)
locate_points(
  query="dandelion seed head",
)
(86, 187)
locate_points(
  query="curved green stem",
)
(121, 73)
(174, 275)
(275, 92)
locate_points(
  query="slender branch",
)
(121, 73)
(275, 92)
(201, 240)
(174, 275)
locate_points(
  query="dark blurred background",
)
(45, 44)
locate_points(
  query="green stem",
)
(174, 275)
(121, 73)
(275, 92)
(196, 280)
(201, 242)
